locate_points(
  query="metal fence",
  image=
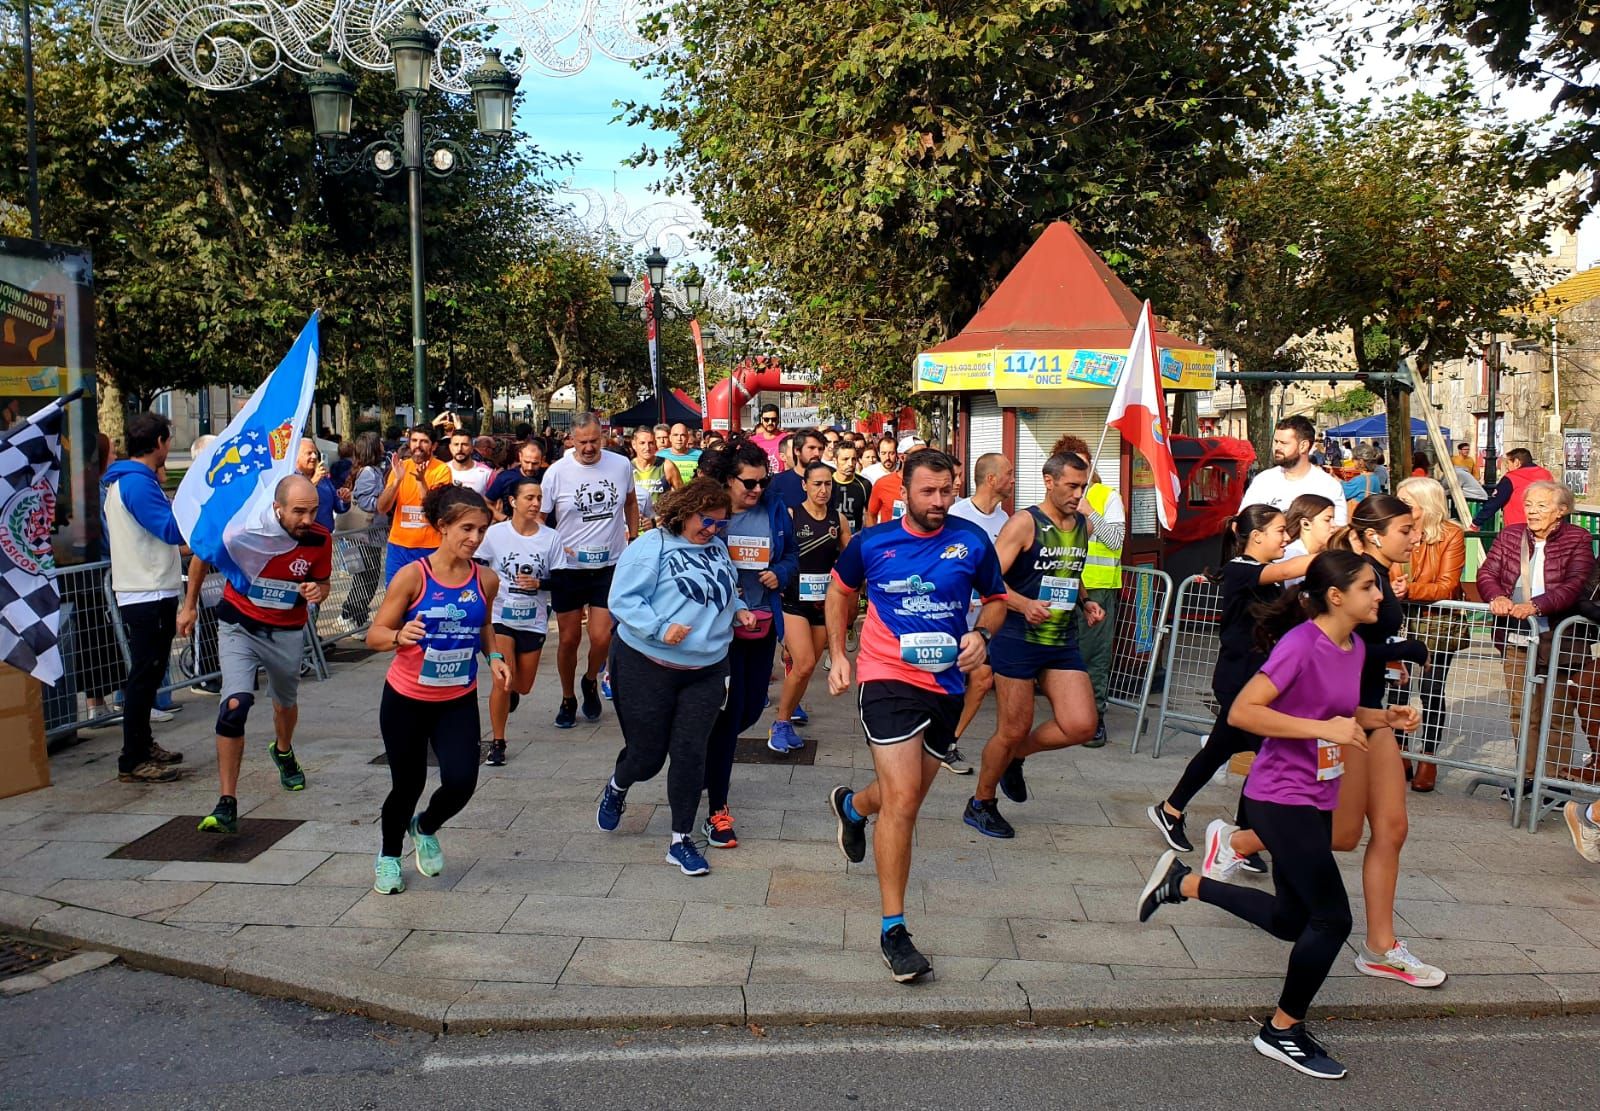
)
(94, 648)
(1141, 622)
(1566, 759)
(1187, 704)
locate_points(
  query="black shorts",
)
(524, 642)
(571, 589)
(1016, 658)
(811, 611)
(892, 711)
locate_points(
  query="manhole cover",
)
(180, 840)
(754, 750)
(18, 958)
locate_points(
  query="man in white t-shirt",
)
(590, 501)
(464, 469)
(1292, 473)
(994, 478)
(888, 460)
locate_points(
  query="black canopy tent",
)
(646, 413)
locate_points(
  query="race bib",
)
(897, 511)
(929, 651)
(1060, 593)
(520, 609)
(446, 667)
(273, 594)
(750, 553)
(814, 588)
(594, 556)
(1330, 761)
(411, 517)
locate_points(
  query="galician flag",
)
(224, 503)
(1139, 412)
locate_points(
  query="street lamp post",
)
(411, 148)
(656, 311)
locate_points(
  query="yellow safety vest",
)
(1102, 570)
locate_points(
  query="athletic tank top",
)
(1050, 569)
(817, 545)
(444, 664)
(650, 484)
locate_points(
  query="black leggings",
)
(1308, 907)
(749, 669)
(664, 712)
(1225, 742)
(408, 726)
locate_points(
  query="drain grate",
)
(754, 750)
(180, 840)
(18, 958)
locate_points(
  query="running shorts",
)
(892, 712)
(523, 641)
(1016, 658)
(811, 611)
(571, 589)
(278, 652)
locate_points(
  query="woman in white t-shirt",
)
(1308, 522)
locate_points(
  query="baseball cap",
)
(909, 442)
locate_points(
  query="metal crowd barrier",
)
(1569, 717)
(1141, 621)
(1187, 704)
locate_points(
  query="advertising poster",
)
(1578, 446)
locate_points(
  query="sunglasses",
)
(719, 524)
(769, 420)
(755, 483)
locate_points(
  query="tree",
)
(1348, 404)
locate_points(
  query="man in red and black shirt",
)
(261, 623)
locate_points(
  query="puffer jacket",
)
(1568, 562)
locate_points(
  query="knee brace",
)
(232, 711)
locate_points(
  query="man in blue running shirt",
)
(919, 572)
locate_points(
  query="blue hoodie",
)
(663, 579)
(143, 497)
(784, 562)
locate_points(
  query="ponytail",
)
(1237, 532)
(1330, 570)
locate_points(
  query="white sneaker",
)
(160, 715)
(1585, 834)
(1398, 964)
(1220, 860)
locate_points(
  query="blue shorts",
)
(1016, 658)
(396, 557)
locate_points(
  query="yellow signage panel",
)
(943, 372)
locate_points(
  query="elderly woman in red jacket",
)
(1537, 570)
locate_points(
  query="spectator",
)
(1520, 472)
(331, 500)
(1421, 465)
(1375, 463)
(1292, 473)
(1465, 460)
(1362, 484)
(1470, 486)
(342, 466)
(887, 460)
(363, 554)
(1438, 557)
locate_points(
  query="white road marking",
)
(924, 1044)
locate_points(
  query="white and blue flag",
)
(224, 503)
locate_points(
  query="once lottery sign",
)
(947, 371)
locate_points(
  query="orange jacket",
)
(1436, 568)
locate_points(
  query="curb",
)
(466, 1006)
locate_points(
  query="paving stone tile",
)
(539, 877)
(432, 910)
(1108, 840)
(120, 828)
(657, 963)
(1116, 904)
(1524, 891)
(1045, 972)
(277, 866)
(1001, 900)
(1408, 885)
(9, 818)
(577, 816)
(775, 856)
(1041, 939)
(751, 823)
(77, 860)
(333, 837)
(571, 916)
(312, 805)
(1476, 922)
(327, 946)
(497, 1006)
(1055, 869)
(612, 848)
(355, 870)
(780, 964)
(664, 882)
(771, 925)
(526, 958)
(942, 934)
(269, 905)
(1584, 923)
(13, 850)
(792, 888)
(133, 898)
(810, 824)
(969, 862)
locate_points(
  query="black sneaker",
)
(223, 819)
(985, 817)
(497, 754)
(516, 700)
(1253, 863)
(567, 716)
(1171, 828)
(1163, 885)
(852, 834)
(1012, 783)
(905, 963)
(1296, 1048)
(1099, 738)
(591, 698)
(952, 761)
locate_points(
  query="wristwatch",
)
(984, 633)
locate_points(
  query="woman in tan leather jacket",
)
(1437, 560)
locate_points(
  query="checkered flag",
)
(30, 604)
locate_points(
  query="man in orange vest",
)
(1520, 473)
(410, 478)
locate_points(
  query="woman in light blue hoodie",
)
(675, 599)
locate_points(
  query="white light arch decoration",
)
(231, 44)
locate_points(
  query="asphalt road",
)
(121, 1038)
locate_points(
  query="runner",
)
(918, 573)
(682, 453)
(530, 464)
(589, 498)
(884, 460)
(410, 536)
(1304, 704)
(850, 491)
(805, 448)
(1252, 573)
(820, 534)
(261, 624)
(1041, 554)
(435, 618)
(887, 501)
(995, 479)
(1102, 581)
(652, 477)
(464, 469)
(521, 553)
(769, 438)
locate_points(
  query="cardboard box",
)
(24, 762)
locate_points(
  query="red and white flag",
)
(1139, 412)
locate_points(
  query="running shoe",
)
(289, 773)
(1253, 864)
(567, 716)
(515, 701)
(162, 756)
(1585, 834)
(985, 817)
(1220, 860)
(953, 761)
(613, 802)
(687, 856)
(1164, 885)
(1012, 783)
(497, 754)
(591, 698)
(148, 771)
(209, 686)
(158, 714)
(800, 717)
(605, 684)
(783, 739)
(387, 879)
(1099, 738)
(718, 828)
(1399, 964)
(1296, 1048)
(430, 857)
(1171, 828)
(224, 817)
(905, 963)
(852, 834)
